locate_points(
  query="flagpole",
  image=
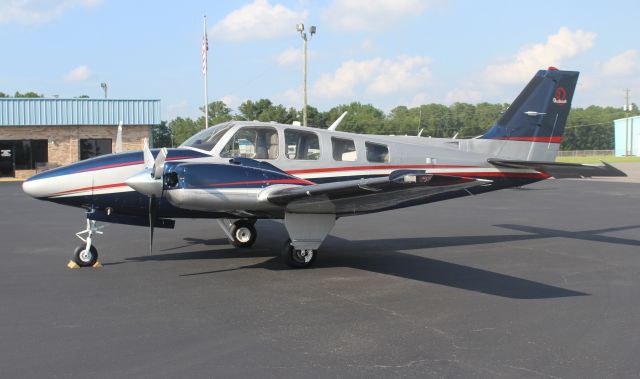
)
(205, 68)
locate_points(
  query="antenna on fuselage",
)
(337, 122)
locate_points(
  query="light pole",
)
(104, 87)
(312, 31)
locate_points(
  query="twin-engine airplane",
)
(240, 172)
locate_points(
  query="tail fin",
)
(537, 116)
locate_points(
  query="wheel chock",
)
(72, 265)
(97, 264)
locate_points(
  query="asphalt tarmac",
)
(541, 282)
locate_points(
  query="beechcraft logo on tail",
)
(560, 96)
(5, 153)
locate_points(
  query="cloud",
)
(559, 47)
(377, 77)
(501, 79)
(371, 15)
(289, 57)
(231, 101)
(622, 64)
(38, 11)
(258, 20)
(78, 74)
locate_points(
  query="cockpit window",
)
(253, 142)
(299, 144)
(208, 138)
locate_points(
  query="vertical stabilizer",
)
(532, 127)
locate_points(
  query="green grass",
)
(597, 159)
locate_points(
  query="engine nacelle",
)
(223, 187)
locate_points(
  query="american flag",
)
(205, 48)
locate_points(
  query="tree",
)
(265, 110)
(2, 94)
(361, 118)
(183, 128)
(218, 112)
(27, 95)
(162, 135)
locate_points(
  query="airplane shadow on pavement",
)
(384, 256)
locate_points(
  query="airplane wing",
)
(368, 195)
(561, 170)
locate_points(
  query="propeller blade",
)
(158, 165)
(153, 210)
(148, 157)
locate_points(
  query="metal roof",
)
(44, 112)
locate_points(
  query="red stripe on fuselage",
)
(533, 139)
(361, 168)
(88, 188)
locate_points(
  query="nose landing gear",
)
(86, 255)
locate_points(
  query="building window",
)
(344, 150)
(301, 145)
(94, 147)
(254, 143)
(377, 153)
(26, 154)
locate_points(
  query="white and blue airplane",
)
(239, 172)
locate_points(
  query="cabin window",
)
(301, 145)
(344, 150)
(377, 153)
(94, 147)
(254, 143)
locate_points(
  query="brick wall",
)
(64, 140)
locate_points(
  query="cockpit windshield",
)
(208, 138)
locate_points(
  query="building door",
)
(7, 166)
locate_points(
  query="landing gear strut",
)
(241, 233)
(86, 255)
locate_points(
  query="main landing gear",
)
(86, 255)
(297, 258)
(241, 233)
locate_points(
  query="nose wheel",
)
(86, 255)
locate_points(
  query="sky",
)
(383, 52)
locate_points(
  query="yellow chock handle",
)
(72, 265)
(97, 264)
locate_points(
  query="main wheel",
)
(243, 233)
(85, 258)
(297, 258)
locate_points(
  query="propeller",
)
(149, 182)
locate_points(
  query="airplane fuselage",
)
(100, 183)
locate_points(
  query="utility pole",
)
(626, 121)
(312, 31)
(205, 69)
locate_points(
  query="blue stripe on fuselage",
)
(114, 160)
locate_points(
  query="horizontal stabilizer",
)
(561, 170)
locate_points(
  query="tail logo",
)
(560, 96)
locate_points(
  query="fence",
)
(586, 153)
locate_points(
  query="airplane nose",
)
(34, 188)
